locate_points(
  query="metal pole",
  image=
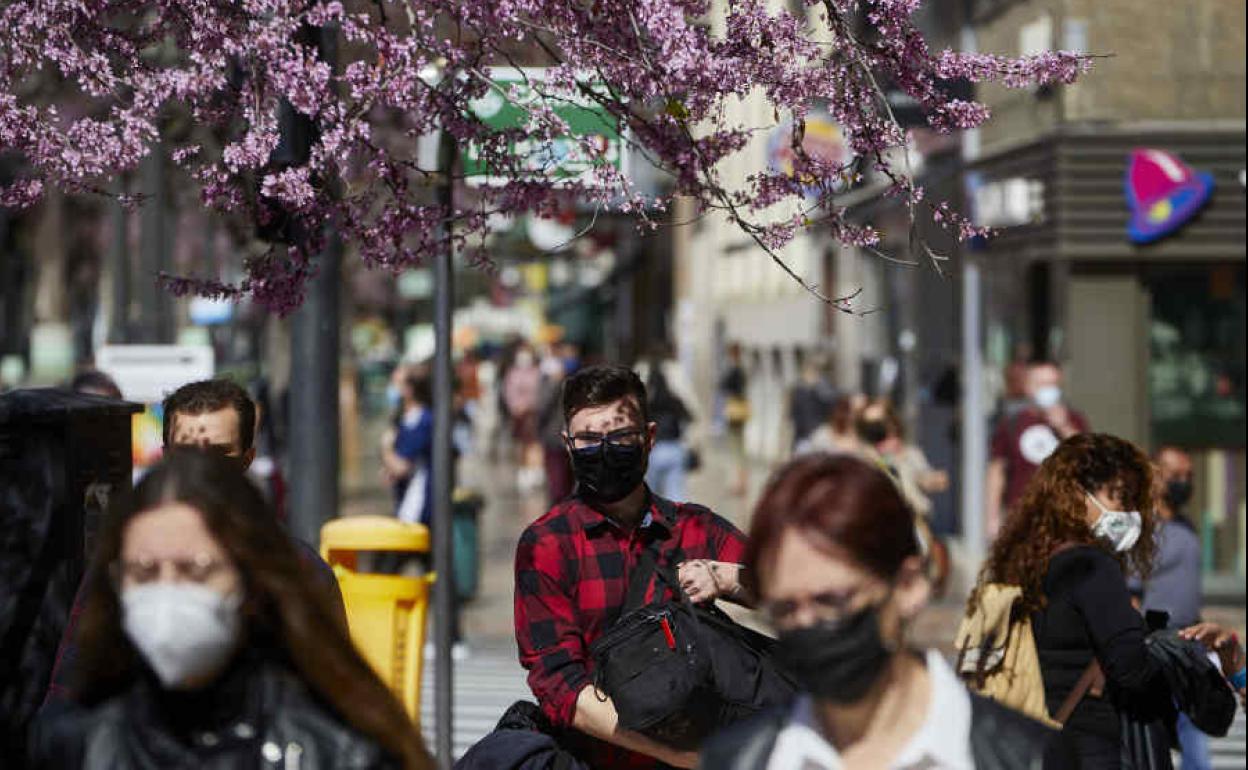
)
(313, 409)
(443, 554)
(155, 323)
(974, 428)
(119, 255)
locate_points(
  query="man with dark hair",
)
(215, 415)
(1173, 586)
(573, 564)
(96, 383)
(1021, 442)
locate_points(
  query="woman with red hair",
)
(834, 559)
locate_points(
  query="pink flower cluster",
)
(87, 86)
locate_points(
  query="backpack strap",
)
(1092, 682)
(639, 580)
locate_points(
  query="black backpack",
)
(677, 672)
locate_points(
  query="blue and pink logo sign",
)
(1163, 192)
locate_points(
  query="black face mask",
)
(608, 473)
(872, 431)
(837, 662)
(1178, 492)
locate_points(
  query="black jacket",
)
(273, 722)
(1001, 739)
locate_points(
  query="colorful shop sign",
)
(1163, 193)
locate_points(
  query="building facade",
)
(1119, 203)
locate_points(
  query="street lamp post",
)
(313, 407)
(443, 460)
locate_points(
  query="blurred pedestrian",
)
(521, 386)
(810, 402)
(733, 388)
(669, 457)
(203, 644)
(1014, 398)
(838, 434)
(851, 586)
(1173, 586)
(880, 426)
(663, 359)
(96, 383)
(407, 450)
(550, 426)
(881, 429)
(1022, 442)
(1087, 512)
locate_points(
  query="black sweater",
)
(1089, 613)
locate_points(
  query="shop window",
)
(1196, 367)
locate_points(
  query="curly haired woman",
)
(1085, 518)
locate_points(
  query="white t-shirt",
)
(943, 742)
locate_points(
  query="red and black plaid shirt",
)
(572, 571)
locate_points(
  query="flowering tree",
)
(665, 71)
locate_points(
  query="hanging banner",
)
(561, 159)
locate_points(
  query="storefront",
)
(1121, 253)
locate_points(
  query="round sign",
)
(1037, 443)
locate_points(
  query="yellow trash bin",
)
(386, 613)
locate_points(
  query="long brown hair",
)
(1053, 512)
(283, 606)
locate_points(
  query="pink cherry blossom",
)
(88, 86)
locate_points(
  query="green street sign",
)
(562, 159)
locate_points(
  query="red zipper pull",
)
(667, 633)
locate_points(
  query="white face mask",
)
(1047, 397)
(184, 631)
(1120, 528)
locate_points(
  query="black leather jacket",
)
(1001, 739)
(274, 722)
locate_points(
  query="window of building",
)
(1196, 367)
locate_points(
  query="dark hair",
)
(418, 382)
(843, 505)
(211, 396)
(1053, 512)
(841, 415)
(889, 416)
(285, 612)
(601, 385)
(95, 381)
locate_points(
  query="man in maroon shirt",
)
(573, 565)
(1022, 441)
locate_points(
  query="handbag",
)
(737, 410)
(676, 672)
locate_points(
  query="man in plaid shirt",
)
(573, 565)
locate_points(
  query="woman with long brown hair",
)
(1083, 521)
(202, 644)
